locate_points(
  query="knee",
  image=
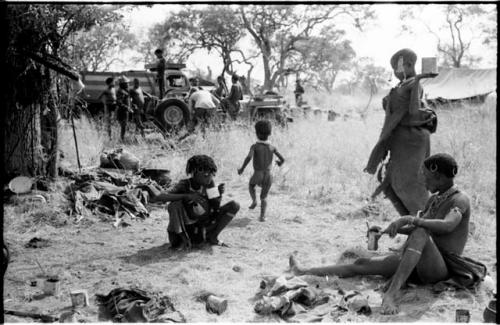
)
(233, 207)
(419, 234)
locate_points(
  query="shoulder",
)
(461, 200)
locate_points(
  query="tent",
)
(459, 84)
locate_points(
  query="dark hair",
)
(109, 80)
(234, 77)
(409, 57)
(136, 79)
(159, 51)
(200, 162)
(263, 129)
(443, 164)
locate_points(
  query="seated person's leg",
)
(176, 225)
(422, 253)
(379, 265)
(224, 216)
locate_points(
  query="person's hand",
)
(222, 188)
(392, 229)
(240, 171)
(195, 197)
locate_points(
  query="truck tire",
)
(172, 114)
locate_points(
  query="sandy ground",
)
(94, 256)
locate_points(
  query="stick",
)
(76, 142)
(44, 318)
(41, 268)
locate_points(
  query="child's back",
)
(262, 156)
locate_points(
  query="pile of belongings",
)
(138, 306)
(111, 195)
(293, 299)
(119, 159)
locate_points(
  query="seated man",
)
(194, 215)
(436, 238)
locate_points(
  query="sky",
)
(378, 41)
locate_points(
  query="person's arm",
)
(415, 96)
(180, 191)
(280, 157)
(246, 161)
(442, 226)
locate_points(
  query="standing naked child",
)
(262, 154)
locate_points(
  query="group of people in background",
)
(129, 104)
(126, 103)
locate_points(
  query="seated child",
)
(195, 214)
(262, 154)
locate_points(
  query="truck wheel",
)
(173, 114)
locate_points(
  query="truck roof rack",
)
(168, 66)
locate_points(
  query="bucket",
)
(79, 298)
(51, 286)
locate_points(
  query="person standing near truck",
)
(299, 91)
(123, 103)
(161, 65)
(108, 99)
(137, 97)
(232, 101)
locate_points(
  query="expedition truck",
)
(170, 112)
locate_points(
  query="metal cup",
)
(462, 316)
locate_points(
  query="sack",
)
(119, 159)
(430, 116)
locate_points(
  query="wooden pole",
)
(76, 142)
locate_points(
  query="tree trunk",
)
(23, 154)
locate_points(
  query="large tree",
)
(276, 30)
(460, 26)
(34, 65)
(213, 28)
(98, 48)
(321, 58)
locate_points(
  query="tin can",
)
(51, 286)
(429, 65)
(373, 237)
(79, 298)
(462, 316)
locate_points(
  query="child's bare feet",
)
(253, 205)
(262, 218)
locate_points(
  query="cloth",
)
(138, 306)
(405, 136)
(203, 99)
(465, 272)
(235, 94)
(295, 300)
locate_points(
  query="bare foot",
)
(294, 268)
(262, 218)
(389, 306)
(253, 205)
